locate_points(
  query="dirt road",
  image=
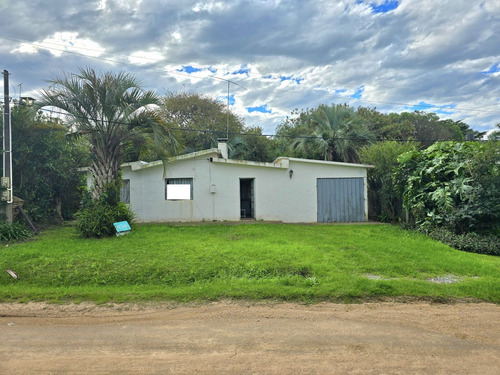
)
(235, 338)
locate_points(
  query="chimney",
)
(222, 146)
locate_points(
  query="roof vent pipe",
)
(222, 146)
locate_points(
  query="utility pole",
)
(7, 150)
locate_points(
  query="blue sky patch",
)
(284, 78)
(440, 109)
(340, 91)
(422, 106)
(494, 69)
(241, 71)
(191, 69)
(291, 78)
(223, 99)
(261, 109)
(385, 7)
(359, 91)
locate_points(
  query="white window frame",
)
(179, 189)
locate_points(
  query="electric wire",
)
(123, 62)
(216, 132)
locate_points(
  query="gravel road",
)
(240, 338)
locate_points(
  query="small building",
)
(208, 186)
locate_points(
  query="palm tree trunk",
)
(330, 153)
(105, 170)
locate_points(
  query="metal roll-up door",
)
(340, 200)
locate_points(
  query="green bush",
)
(385, 203)
(96, 219)
(450, 185)
(472, 242)
(13, 232)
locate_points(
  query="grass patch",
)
(260, 261)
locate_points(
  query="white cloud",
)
(439, 53)
(209, 6)
(61, 42)
(146, 57)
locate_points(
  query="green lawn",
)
(254, 261)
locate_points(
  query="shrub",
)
(483, 243)
(385, 203)
(96, 219)
(13, 232)
(452, 185)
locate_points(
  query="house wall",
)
(276, 195)
(299, 195)
(147, 192)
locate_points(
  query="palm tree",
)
(336, 132)
(111, 111)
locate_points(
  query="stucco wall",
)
(299, 201)
(276, 195)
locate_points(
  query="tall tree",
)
(201, 119)
(45, 166)
(111, 111)
(336, 131)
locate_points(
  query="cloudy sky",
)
(439, 56)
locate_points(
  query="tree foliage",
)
(337, 132)
(425, 128)
(385, 203)
(333, 133)
(111, 111)
(252, 145)
(201, 119)
(44, 164)
(452, 185)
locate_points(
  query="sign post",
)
(122, 227)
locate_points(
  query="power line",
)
(216, 132)
(120, 62)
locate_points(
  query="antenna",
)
(228, 86)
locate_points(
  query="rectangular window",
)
(125, 191)
(178, 188)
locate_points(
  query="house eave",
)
(336, 163)
(282, 164)
(137, 165)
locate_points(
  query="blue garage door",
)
(340, 200)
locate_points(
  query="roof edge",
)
(337, 163)
(136, 165)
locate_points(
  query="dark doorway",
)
(247, 198)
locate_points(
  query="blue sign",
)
(122, 227)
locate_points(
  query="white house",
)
(208, 186)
